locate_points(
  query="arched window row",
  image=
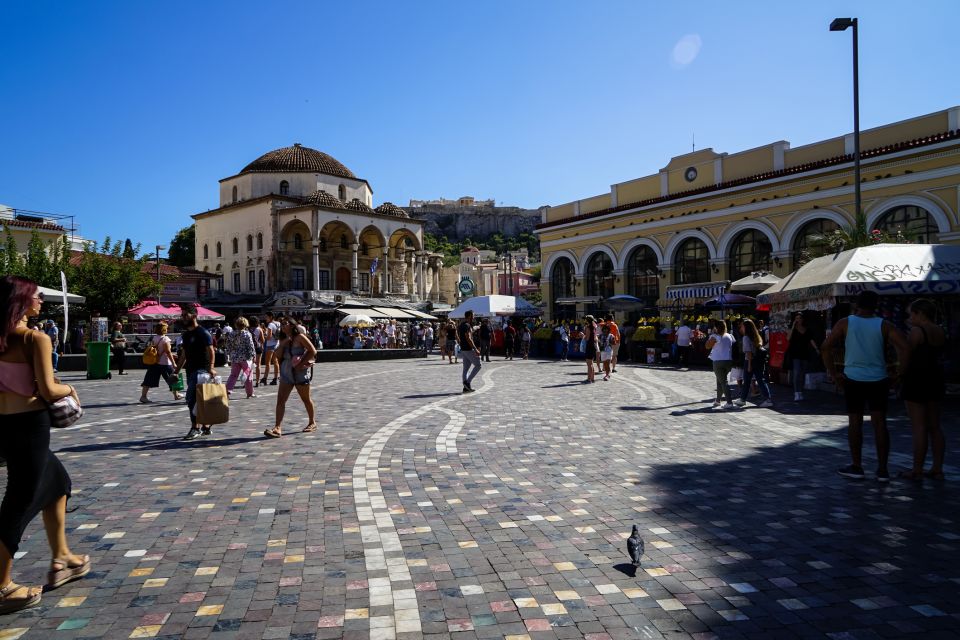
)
(691, 262)
(643, 274)
(599, 275)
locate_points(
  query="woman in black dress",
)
(36, 481)
(923, 389)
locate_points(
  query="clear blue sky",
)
(126, 114)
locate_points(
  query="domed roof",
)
(298, 159)
(471, 249)
(356, 205)
(323, 199)
(390, 209)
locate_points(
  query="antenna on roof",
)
(693, 142)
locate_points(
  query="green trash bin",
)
(98, 360)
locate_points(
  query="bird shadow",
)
(627, 569)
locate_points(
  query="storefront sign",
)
(180, 292)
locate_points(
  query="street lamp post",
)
(159, 287)
(842, 24)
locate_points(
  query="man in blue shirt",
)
(864, 378)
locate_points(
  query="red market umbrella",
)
(151, 310)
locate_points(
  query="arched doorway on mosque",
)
(343, 279)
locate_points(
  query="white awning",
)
(699, 290)
(420, 314)
(366, 311)
(394, 313)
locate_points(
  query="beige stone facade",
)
(297, 220)
(708, 218)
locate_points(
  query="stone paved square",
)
(416, 512)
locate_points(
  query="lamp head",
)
(841, 24)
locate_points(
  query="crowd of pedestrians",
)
(38, 482)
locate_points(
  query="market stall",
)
(899, 273)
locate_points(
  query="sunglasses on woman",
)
(39, 296)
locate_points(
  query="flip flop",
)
(57, 577)
(310, 428)
(272, 433)
(9, 604)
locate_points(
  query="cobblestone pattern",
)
(418, 512)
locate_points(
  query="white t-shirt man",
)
(564, 336)
(683, 336)
(272, 343)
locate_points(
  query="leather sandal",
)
(310, 428)
(61, 572)
(272, 433)
(9, 603)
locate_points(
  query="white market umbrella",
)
(487, 307)
(357, 320)
(757, 281)
(888, 269)
(52, 295)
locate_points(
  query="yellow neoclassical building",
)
(707, 218)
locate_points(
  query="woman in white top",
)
(163, 368)
(721, 353)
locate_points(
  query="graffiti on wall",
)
(894, 272)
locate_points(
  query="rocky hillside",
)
(475, 222)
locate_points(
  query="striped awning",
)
(699, 290)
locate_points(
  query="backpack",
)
(150, 354)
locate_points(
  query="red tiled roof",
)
(30, 224)
(769, 175)
(298, 159)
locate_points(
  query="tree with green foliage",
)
(111, 282)
(182, 251)
(13, 263)
(128, 251)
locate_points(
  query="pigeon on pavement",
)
(635, 546)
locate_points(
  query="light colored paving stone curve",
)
(382, 548)
(447, 438)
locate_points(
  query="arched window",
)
(219, 250)
(343, 241)
(259, 241)
(284, 188)
(297, 242)
(691, 263)
(206, 252)
(600, 275)
(915, 223)
(808, 243)
(342, 193)
(250, 243)
(643, 274)
(561, 286)
(234, 193)
(236, 245)
(262, 280)
(749, 252)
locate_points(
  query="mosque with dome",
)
(296, 222)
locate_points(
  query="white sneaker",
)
(716, 405)
(729, 405)
(766, 403)
(800, 396)
(739, 402)
(797, 397)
